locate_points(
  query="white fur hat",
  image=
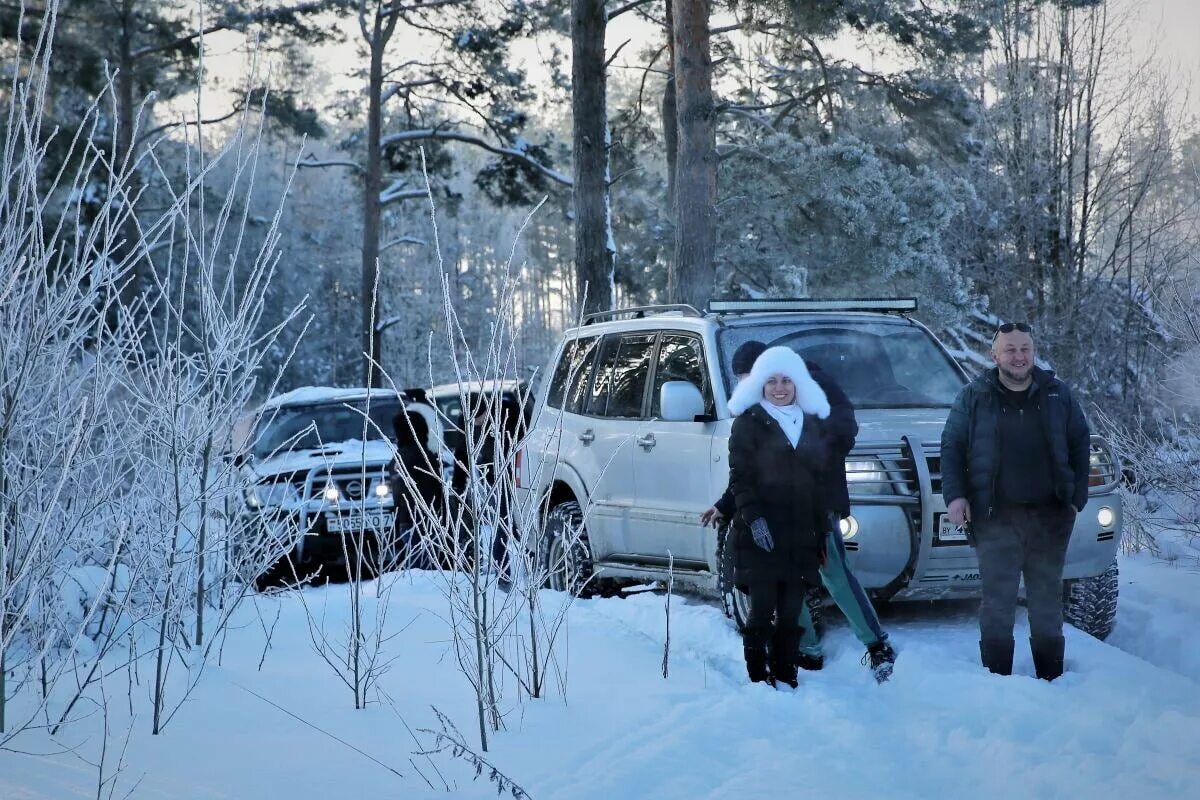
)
(780, 361)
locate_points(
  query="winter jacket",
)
(841, 430)
(783, 485)
(422, 467)
(971, 442)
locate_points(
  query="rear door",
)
(576, 444)
(671, 460)
(608, 425)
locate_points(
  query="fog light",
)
(848, 527)
(331, 494)
(1106, 517)
(382, 490)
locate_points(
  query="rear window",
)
(620, 385)
(569, 385)
(877, 365)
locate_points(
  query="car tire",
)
(289, 571)
(568, 553)
(734, 601)
(1090, 604)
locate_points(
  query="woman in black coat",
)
(779, 452)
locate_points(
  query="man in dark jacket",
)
(1015, 467)
(495, 435)
(416, 486)
(841, 428)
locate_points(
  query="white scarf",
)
(789, 417)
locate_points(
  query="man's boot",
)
(785, 652)
(754, 647)
(1048, 656)
(997, 655)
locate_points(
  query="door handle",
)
(587, 437)
(647, 441)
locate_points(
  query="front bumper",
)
(318, 532)
(896, 553)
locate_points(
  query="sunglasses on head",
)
(1009, 327)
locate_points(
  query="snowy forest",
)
(209, 203)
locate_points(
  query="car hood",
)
(337, 454)
(888, 425)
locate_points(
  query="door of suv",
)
(671, 461)
(610, 420)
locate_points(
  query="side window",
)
(620, 383)
(451, 408)
(571, 374)
(680, 358)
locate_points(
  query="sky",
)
(1170, 30)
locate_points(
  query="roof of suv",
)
(679, 321)
(313, 395)
(475, 387)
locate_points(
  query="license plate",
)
(949, 532)
(376, 520)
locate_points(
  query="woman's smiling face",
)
(779, 390)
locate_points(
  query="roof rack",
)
(640, 312)
(895, 305)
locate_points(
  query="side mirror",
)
(680, 401)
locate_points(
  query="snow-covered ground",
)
(1123, 721)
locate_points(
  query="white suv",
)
(629, 445)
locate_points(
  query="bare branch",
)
(400, 8)
(314, 163)
(453, 136)
(616, 52)
(616, 12)
(185, 122)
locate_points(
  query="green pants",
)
(848, 593)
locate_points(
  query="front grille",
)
(353, 483)
(890, 469)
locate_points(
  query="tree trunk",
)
(124, 159)
(380, 32)
(669, 111)
(693, 274)
(593, 255)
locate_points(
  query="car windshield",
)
(309, 427)
(878, 365)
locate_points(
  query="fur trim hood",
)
(780, 361)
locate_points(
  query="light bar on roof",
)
(899, 305)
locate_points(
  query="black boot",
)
(1048, 656)
(754, 647)
(785, 652)
(997, 655)
(811, 663)
(883, 658)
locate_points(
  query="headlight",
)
(270, 494)
(868, 477)
(331, 494)
(1106, 517)
(382, 490)
(253, 501)
(848, 527)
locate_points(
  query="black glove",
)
(762, 535)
